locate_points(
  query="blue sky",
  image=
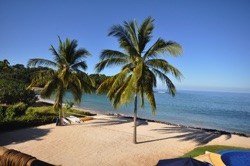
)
(215, 35)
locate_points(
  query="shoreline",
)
(223, 132)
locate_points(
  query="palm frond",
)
(57, 57)
(116, 100)
(86, 83)
(132, 86)
(129, 66)
(130, 27)
(128, 90)
(164, 66)
(75, 87)
(123, 36)
(165, 79)
(106, 85)
(70, 50)
(109, 62)
(64, 76)
(41, 62)
(149, 78)
(107, 54)
(76, 92)
(120, 77)
(150, 97)
(161, 47)
(78, 56)
(41, 77)
(50, 87)
(80, 65)
(144, 33)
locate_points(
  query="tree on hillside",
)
(4, 68)
(4, 64)
(98, 79)
(14, 91)
(18, 66)
(140, 67)
(66, 74)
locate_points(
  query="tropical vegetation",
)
(66, 74)
(14, 91)
(13, 83)
(140, 66)
(19, 115)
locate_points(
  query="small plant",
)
(69, 104)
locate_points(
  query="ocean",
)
(212, 110)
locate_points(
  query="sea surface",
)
(212, 110)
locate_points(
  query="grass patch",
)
(211, 148)
(49, 111)
(80, 113)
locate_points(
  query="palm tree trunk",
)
(60, 117)
(59, 99)
(60, 111)
(135, 118)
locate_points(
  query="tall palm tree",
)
(140, 67)
(65, 75)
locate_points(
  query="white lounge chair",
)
(74, 119)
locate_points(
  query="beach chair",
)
(212, 158)
(74, 119)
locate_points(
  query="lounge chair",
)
(73, 119)
(212, 158)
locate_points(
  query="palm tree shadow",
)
(200, 136)
(117, 120)
(108, 121)
(22, 135)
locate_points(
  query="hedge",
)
(17, 124)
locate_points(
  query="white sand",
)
(107, 141)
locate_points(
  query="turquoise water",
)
(214, 110)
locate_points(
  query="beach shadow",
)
(110, 121)
(22, 135)
(117, 121)
(201, 137)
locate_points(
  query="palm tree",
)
(65, 75)
(140, 67)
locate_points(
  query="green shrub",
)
(2, 112)
(16, 110)
(22, 123)
(74, 111)
(41, 111)
(20, 109)
(14, 91)
(19, 116)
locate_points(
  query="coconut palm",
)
(65, 75)
(140, 67)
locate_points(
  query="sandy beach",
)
(107, 140)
